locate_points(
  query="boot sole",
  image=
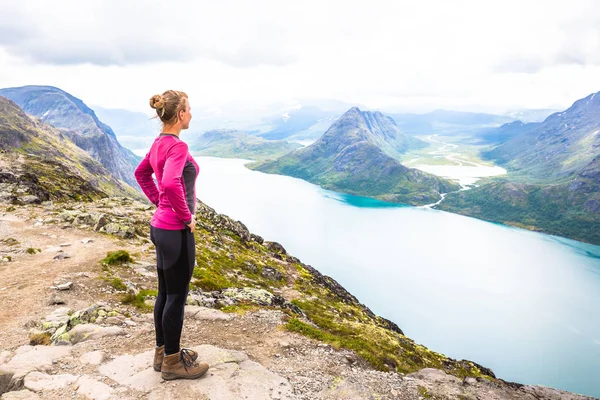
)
(157, 367)
(169, 376)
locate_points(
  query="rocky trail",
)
(67, 334)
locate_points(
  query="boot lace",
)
(186, 358)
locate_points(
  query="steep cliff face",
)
(40, 163)
(76, 120)
(357, 155)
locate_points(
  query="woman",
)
(172, 232)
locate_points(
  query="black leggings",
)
(175, 257)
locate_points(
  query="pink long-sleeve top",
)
(176, 172)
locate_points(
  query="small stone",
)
(64, 244)
(61, 256)
(87, 240)
(55, 300)
(65, 286)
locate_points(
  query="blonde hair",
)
(168, 105)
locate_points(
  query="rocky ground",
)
(66, 332)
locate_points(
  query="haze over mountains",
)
(236, 144)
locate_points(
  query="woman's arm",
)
(172, 181)
(143, 175)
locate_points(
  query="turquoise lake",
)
(524, 304)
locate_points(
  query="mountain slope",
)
(236, 144)
(553, 183)
(69, 114)
(41, 163)
(356, 155)
(559, 147)
(505, 132)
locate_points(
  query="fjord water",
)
(524, 304)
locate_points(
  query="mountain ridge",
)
(70, 114)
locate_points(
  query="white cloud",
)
(386, 54)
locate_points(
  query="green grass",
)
(118, 257)
(118, 284)
(31, 250)
(138, 301)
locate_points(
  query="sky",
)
(417, 56)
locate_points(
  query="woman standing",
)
(172, 231)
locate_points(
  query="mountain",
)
(446, 122)
(553, 184)
(134, 130)
(505, 132)
(357, 155)
(70, 115)
(559, 147)
(236, 144)
(40, 163)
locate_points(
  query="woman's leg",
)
(161, 298)
(178, 252)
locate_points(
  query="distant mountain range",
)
(559, 147)
(446, 122)
(41, 163)
(505, 132)
(236, 144)
(79, 123)
(553, 183)
(358, 155)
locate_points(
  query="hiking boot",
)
(182, 366)
(159, 355)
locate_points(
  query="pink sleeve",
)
(172, 180)
(143, 175)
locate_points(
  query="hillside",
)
(358, 155)
(270, 326)
(553, 184)
(79, 123)
(41, 163)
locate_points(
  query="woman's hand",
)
(192, 225)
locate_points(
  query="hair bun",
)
(157, 102)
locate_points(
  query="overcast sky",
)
(393, 55)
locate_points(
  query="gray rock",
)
(84, 332)
(271, 273)
(20, 395)
(64, 286)
(61, 256)
(210, 314)
(93, 357)
(27, 359)
(93, 389)
(37, 381)
(55, 300)
(231, 376)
